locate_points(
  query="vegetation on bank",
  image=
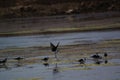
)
(34, 8)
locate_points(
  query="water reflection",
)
(18, 65)
(99, 61)
(106, 61)
(19, 61)
(65, 39)
(4, 67)
(56, 73)
(56, 69)
(46, 64)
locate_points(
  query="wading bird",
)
(105, 54)
(18, 58)
(82, 61)
(3, 61)
(54, 48)
(45, 59)
(96, 56)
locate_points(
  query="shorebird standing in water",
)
(54, 49)
(3, 62)
(18, 59)
(45, 59)
(82, 61)
(105, 54)
(105, 57)
(96, 56)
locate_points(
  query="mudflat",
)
(60, 24)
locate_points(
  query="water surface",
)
(65, 39)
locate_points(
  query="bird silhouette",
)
(19, 64)
(18, 58)
(82, 61)
(45, 59)
(96, 56)
(3, 61)
(106, 61)
(105, 54)
(54, 48)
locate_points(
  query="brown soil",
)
(70, 23)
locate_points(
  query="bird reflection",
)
(46, 64)
(96, 56)
(106, 61)
(4, 66)
(3, 62)
(18, 64)
(97, 61)
(56, 69)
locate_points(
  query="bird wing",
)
(52, 45)
(57, 44)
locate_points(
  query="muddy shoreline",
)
(57, 32)
(105, 21)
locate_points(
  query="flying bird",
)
(54, 48)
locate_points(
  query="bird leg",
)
(56, 55)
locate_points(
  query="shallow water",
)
(37, 71)
(65, 39)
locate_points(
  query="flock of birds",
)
(54, 48)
